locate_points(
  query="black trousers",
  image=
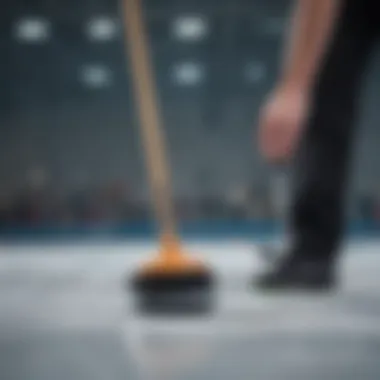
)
(317, 210)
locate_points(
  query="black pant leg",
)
(317, 210)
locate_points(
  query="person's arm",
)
(311, 31)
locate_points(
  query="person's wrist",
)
(293, 84)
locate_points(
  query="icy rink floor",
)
(65, 315)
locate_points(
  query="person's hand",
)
(281, 122)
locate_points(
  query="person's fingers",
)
(272, 137)
(279, 143)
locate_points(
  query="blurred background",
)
(72, 165)
(70, 154)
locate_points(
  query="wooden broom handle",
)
(151, 129)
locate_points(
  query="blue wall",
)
(200, 230)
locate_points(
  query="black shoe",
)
(295, 272)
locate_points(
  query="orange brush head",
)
(171, 260)
(174, 283)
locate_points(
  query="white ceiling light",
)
(273, 26)
(188, 73)
(96, 76)
(101, 29)
(190, 28)
(255, 72)
(32, 30)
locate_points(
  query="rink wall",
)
(211, 229)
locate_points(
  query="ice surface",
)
(65, 313)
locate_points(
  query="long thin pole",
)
(151, 129)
